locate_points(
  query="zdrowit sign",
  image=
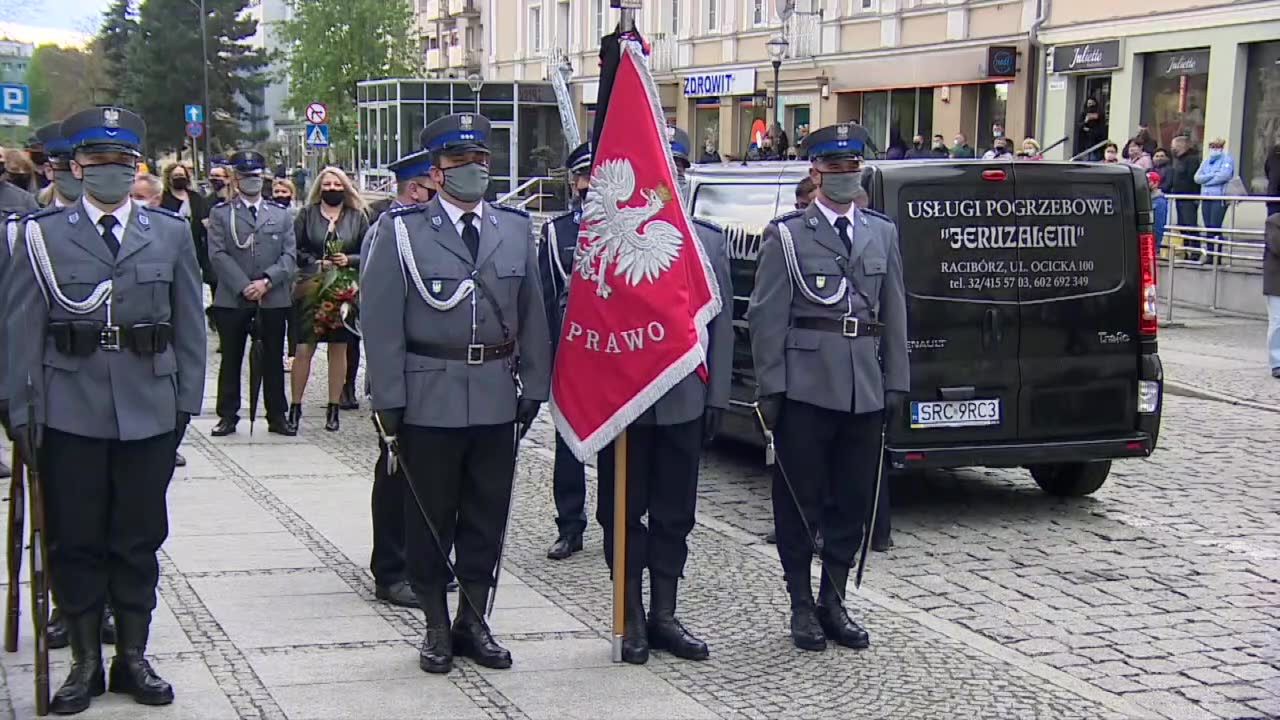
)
(729, 82)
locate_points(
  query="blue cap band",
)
(58, 146)
(414, 170)
(852, 146)
(679, 149)
(104, 136)
(440, 142)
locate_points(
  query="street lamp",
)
(204, 54)
(777, 47)
(475, 82)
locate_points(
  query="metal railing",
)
(1228, 246)
(540, 192)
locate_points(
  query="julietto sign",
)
(1088, 57)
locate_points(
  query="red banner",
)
(641, 292)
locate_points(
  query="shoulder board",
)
(788, 216)
(508, 208)
(165, 212)
(707, 224)
(877, 214)
(45, 212)
(404, 210)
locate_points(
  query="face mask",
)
(918, 145)
(218, 184)
(332, 198)
(282, 200)
(957, 142)
(108, 184)
(1161, 161)
(24, 181)
(181, 183)
(467, 183)
(1215, 152)
(840, 187)
(997, 133)
(67, 185)
(251, 185)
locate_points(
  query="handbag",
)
(1235, 186)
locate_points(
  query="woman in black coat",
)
(328, 231)
(1091, 130)
(180, 196)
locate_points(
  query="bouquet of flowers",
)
(331, 302)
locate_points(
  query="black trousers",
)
(353, 363)
(662, 480)
(569, 487)
(463, 478)
(1188, 216)
(107, 516)
(233, 332)
(830, 458)
(389, 498)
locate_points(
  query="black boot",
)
(131, 674)
(831, 613)
(85, 680)
(564, 546)
(280, 425)
(435, 655)
(348, 400)
(56, 631)
(225, 427)
(331, 418)
(108, 626)
(665, 631)
(295, 417)
(806, 632)
(635, 637)
(471, 636)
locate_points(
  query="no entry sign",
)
(317, 113)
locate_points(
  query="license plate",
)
(955, 413)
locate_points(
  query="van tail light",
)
(1148, 323)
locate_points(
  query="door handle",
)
(997, 325)
(988, 327)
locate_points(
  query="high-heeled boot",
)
(295, 416)
(331, 417)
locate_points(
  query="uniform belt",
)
(474, 354)
(850, 327)
(83, 338)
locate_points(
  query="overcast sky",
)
(78, 15)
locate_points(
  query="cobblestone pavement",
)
(1219, 354)
(1157, 597)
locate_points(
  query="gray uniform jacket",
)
(819, 367)
(271, 254)
(12, 226)
(156, 279)
(686, 401)
(16, 201)
(452, 393)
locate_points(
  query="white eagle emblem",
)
(639, 248)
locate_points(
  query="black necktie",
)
(843, 230)
(253, 212)
(108, 224)
(471, 234)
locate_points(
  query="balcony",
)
(433, 10)
(463, 7)
(662, 57)
(434, 59)
(804, 35)
(464, 59)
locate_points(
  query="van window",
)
(746, 205)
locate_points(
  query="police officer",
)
(251, 249)
(664, 446)
(555, 265)
(390, 581)
(107, 370)
(463, 361)
(829, 339)
(66, 187)
(15, 202)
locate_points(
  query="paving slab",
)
(391, 699)
(618, 693)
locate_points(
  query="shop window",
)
(1261, 114)
(1175, 86)
(993, 106)
(706, 125)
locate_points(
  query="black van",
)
(1031, 302)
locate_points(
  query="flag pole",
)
(626, 24)
(619, 542)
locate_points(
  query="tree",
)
(62, 81)
(165, 70)
(119, 27)
(330, 46)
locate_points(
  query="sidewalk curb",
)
(1173, 387)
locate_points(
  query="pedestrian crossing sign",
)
(318, 136)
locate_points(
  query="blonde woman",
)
(329, 229)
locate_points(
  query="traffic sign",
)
(15, 104)
(317, 113)
(318, 135)
(195, 129)
(193, 114)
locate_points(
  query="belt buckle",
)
(475, 354)
(109, 338)
(850, 329)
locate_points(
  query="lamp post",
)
(777, 47)
(475, 82)
(204, 54)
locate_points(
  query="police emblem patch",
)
(437, 287)
(143, 220)
(493, 220)
(435, 220)
(842, 132)
(464, 122)
(820, 281)
(110, 117)
(73, 218)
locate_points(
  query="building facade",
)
(1201, 68)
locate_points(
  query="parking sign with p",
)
(15, 104)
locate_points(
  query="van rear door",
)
(962, 301)
(1080, 300)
